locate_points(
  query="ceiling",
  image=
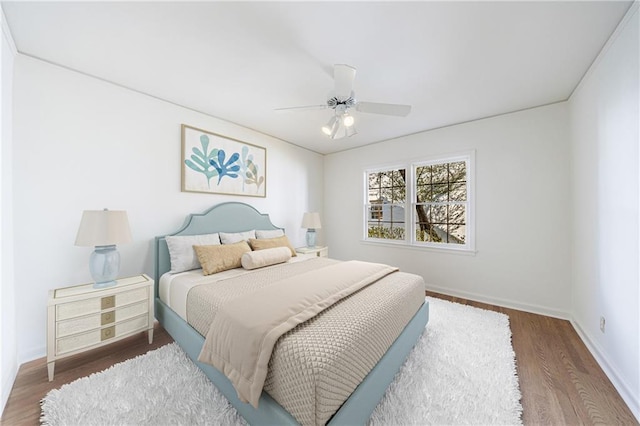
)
(452, 61)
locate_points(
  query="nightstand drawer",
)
(88, 322)
(96, 304)
(93, 337)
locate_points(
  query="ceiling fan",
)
(342, 99)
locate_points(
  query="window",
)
(440, 213)
(386, 200)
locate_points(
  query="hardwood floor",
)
(560, 381)
(32, 383)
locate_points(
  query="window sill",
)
(404, 245)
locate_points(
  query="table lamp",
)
(311, 221)
(103, 229)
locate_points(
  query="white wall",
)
(522, 210)
(81, 143)
(8, 339)
(604, 114)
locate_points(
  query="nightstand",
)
(317, 251)
(81, 317)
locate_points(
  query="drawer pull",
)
(108, 333)
(108, 302)
(107, 318)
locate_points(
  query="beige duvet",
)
(314, 367)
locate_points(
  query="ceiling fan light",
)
(331, 126)
(351, 130)
(348, 120)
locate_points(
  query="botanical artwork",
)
(217, 164)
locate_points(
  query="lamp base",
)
(104, 265)
(311, 238)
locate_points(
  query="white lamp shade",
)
(103, 228)
(311, 220)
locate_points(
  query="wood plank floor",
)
(561, 383)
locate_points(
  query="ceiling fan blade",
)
(343, 76)
(385, 109)
(302, 108)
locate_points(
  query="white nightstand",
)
(82, 317)
(318, 251)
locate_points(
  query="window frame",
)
(410, 220)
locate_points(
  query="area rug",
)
(461, 372)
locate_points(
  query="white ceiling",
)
(452, 61)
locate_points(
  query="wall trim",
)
(7, 385)
(6, 31)
(633, 9)
(632, 400)
(505, 303)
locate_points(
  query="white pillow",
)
(271, 233)
(266, 257)
(183, 257)
(236, 237)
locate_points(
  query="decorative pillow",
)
(271, 233)
(231, 238)
(266, 257)
(218, 258)
(272, 242)
(181, 253)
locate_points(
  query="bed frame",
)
(238, 217)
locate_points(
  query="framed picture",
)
(217, 164)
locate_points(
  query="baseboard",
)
(623, 389)
(7, 385)
(505, 303)
(630, 398)
(32, 355)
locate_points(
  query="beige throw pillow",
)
(266, 257)
(218, 258)
(261, 244)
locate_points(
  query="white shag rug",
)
(461, 372)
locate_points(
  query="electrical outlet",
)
(602, 322)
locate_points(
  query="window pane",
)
(423, 187)
(385, 231)
(439, 173)
(456, 234)
(438, 214)
(457, 171)
(386, 220)
(398, 194)
(458, 191)
(456, 214)
(374, 212)
(374, 180)
(388, 186)
(423, 193)
(423, 175)
(440, 193)
(423, 222)
(386, 179)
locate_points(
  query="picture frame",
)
(217, 164)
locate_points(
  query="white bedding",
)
(174, 288)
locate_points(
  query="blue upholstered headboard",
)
(225, 217)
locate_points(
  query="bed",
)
(234, 217)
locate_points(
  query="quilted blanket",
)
(242, 336)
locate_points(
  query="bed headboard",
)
(224, 217)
